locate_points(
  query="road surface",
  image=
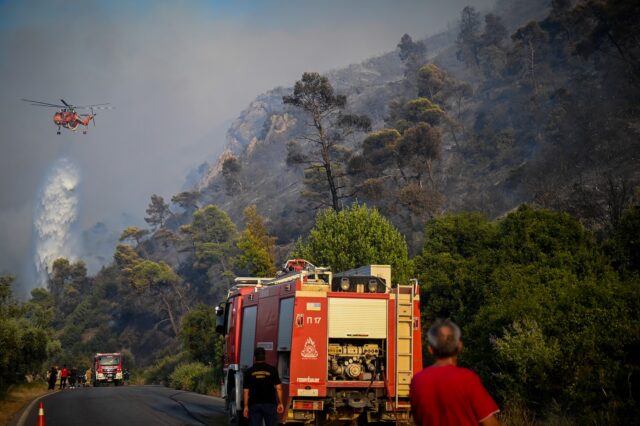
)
(125, 405)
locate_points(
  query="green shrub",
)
(195, 377)
(161, 371)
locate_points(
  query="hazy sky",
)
(177, 72)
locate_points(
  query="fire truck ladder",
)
(405, 295)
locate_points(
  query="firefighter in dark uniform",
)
(262, 392)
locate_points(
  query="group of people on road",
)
(70, 376)
(441, 394)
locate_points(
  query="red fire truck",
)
(346, 345)
(107, 368)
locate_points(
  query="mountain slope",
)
(514, 138)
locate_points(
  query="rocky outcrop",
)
(246, 130)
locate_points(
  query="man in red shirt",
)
(445, 394)
(63, 377)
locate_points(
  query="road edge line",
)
(25, 412)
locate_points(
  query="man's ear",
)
(460, 346)
(430, 349)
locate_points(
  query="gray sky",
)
(176, 71)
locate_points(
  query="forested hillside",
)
(544, 112)
(496, 162)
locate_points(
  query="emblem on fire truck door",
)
(309, 351)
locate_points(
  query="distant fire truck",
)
(346, 345)
(107, 368)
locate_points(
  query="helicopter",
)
(68, 117)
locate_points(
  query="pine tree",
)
(157, 212)
(323, 149)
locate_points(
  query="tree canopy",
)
(212, 234)
(25, 330)
(134, 233)
(188, 200)
(257, 247)
(198, 334)
(354, 237)
(157, 212)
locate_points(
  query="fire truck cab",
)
(345, 345)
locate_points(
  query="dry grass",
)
(516, 415)
(17, 397)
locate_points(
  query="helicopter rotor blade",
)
(66, 104)
(96, 106)
(46, 104)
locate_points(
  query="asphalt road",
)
(125, 405)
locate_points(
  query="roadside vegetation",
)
(547, 308)
(18, 396)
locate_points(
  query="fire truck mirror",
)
(220, 328)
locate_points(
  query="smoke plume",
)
(55, 216)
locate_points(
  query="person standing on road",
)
(445, 394)
(53, 376)
(87, 377)
(80, 377)
(73, 374)
(64, 373)
(262, 392)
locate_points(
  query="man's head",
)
(259, 354)
(444, 339)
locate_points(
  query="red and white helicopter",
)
(68, 117)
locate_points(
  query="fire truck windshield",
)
(109, 360)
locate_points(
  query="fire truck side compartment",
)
(285, 324)
(248, 336)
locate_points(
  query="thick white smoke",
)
(55, 216)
